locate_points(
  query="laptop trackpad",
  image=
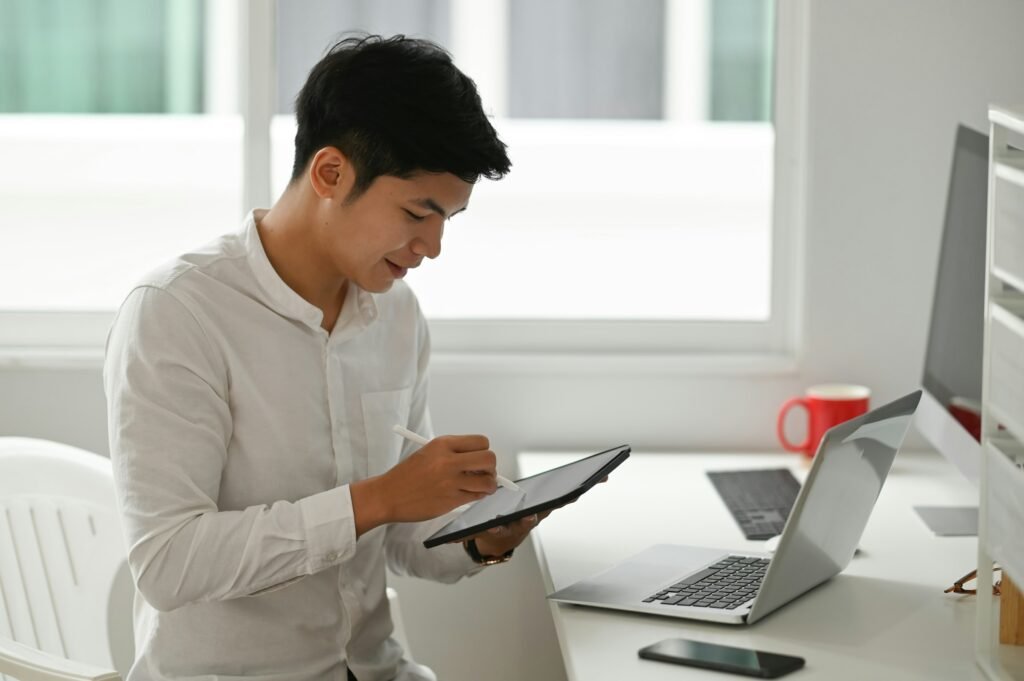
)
(638, 577)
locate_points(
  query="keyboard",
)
(759, 500)
(726, 585)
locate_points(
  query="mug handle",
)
(780, 426)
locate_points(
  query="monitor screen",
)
(953, 359)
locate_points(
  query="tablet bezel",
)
(438, 539)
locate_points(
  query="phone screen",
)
(724, 658)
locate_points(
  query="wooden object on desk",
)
(1011, 613)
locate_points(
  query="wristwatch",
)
(474, 553)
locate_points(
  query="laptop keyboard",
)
(759, 500)
(726, 585)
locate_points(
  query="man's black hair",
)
(396, 106)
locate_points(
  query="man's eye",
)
(414, 216)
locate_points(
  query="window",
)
(639, 213)
(101, 57)
(116, 156)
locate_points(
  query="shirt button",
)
(331, 557)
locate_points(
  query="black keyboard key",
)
(712, 585)
(693, 579)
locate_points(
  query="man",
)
(253, 385)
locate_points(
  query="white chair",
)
(65, 589)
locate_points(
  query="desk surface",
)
(884, 617)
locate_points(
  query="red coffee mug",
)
(827, 406)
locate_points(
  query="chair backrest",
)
(65, 587)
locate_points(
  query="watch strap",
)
(479, 559)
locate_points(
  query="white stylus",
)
(420, 440)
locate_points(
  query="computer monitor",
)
(950, 412)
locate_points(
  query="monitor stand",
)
(950, 521)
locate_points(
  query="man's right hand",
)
(446, 473)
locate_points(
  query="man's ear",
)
(330, 174)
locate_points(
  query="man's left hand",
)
(500, 540)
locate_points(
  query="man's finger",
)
(478, 483)
(466, 443)
(466, 497)
(483, 461)
(521, 526)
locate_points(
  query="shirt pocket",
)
(381, 411)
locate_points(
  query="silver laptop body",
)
(818, 542)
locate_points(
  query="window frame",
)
(76, 338)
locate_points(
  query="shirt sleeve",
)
(403, 542)
(170, 423)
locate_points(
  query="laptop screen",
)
(832, 510)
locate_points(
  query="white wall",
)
(888, 83)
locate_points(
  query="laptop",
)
(817, 543)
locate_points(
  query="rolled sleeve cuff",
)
(458, 561)
(452, 559)
(330, 527)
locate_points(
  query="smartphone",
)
(722, 658)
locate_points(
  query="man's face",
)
(396, 223)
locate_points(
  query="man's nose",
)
(428, 242)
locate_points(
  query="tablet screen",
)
(539, 492)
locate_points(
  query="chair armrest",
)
(28, 664)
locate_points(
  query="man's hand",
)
(446, 473)
(502, 539)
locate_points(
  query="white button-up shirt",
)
(236, 425)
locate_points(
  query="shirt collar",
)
(359, 308)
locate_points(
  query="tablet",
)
(540, 492)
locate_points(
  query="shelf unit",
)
(1001, 527)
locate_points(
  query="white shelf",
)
(1008, 118)
(1008, 278)
(1005, 345)
(1002, 467)
(1012, 171)
(1007, 208)
(1010, 311)
(1003, 539)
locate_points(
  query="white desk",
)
(885, 617)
